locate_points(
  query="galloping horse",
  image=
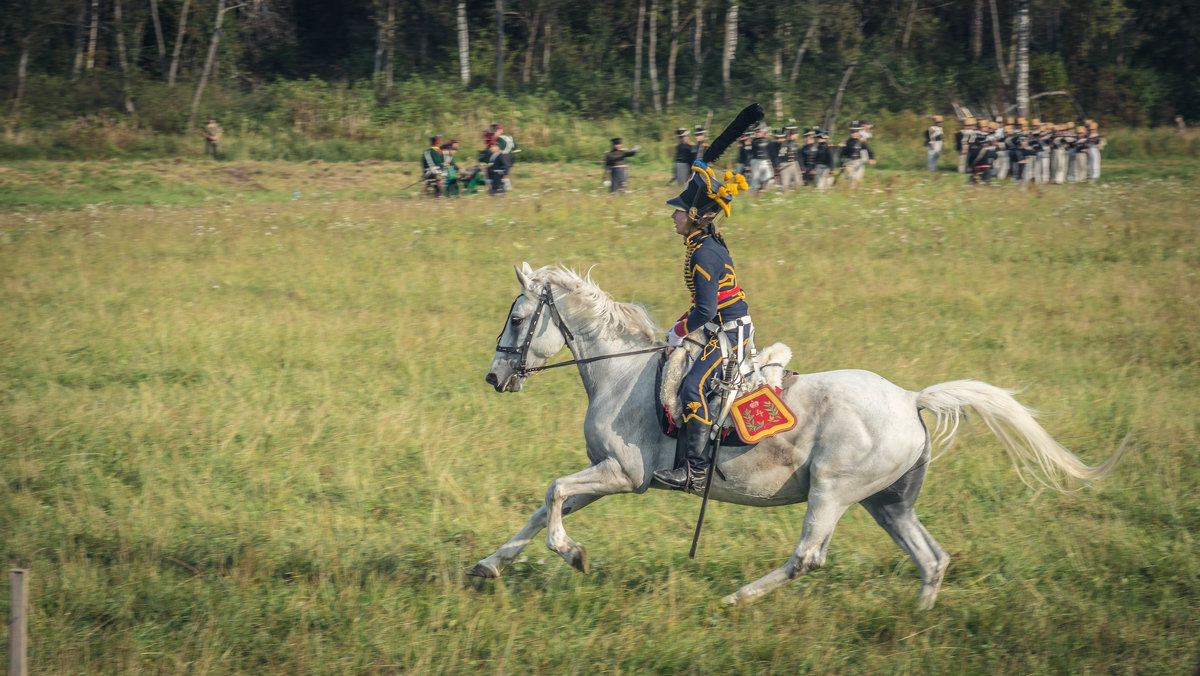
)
(858, 439)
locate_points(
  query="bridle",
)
(546, 299)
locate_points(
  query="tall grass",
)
(254, 437)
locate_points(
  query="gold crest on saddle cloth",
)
(761, 414)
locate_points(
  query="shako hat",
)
(705, 195)
(681, 131)
(700, 129)
(617, 141)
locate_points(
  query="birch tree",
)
(653, 54)
(672, 53)
(730, 52)
(637, 55)
(464, 45)
(999, 44)
(499, 45)
(208, 63)
(179, 36)
(1024, 28)
(158, 39)
(122, 61)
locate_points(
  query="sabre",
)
(726, 404)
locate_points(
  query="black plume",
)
(750, 115)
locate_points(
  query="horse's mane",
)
(595, 308)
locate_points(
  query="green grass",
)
(241, 433)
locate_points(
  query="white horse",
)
(858, 439)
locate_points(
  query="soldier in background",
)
(212, 138)
(1079, 160)
(685, 154)
(982, 159)
(760, 159)
(701, 141)
(824, 160)
(962, 142)
(1001, 133)
(507, 146)
(933, 143)
(450, 169)
(745, 153)
(498, 165)
(1095, 144)
(1044, 146)
(855, 157)
(615, 167)
(787, 158)
(433, 166)
(1058, 152)
(807, 156)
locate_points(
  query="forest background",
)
(357, 79)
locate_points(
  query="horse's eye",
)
(516, 321)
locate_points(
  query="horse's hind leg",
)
(893, 510)
(495, 564)
(819, 521)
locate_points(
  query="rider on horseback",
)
(718, 304)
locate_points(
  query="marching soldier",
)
(745, 152)
(433, 166)
(1001, 163)
(760, 159)
(685, 154)
(498, 165)
(701, 135)
(962, 142)
(1044, 147)
(856, 154)
(824, 160)
(787, 158)
(718, 307)
(615, 167)
(1079, 159)
(982, 160)
(933, 143)
(1059, 158)
(807, 155)
(507, 146)
(1095, 144)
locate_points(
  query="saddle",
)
(769, 369)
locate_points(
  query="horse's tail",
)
(1029, 446)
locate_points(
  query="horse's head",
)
(533, 333)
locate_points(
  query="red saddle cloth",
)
(761, 414)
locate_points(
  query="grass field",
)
(244, 432)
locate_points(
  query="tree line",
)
(1130, 62)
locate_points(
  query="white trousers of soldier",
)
(1093, 163)
(1079, 165)
(1058, 164)
(933, 150)
(760, 174)
(1041, 172)
(962, 162)
(789, 176)
(855, 169)
(824, 176)
(1001, 165)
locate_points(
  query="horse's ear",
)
(523, 276)
(526, 269)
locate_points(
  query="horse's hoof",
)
(731, 600)
(579, 559)
(481, 570)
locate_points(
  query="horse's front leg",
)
(603, 478)
(495, 564)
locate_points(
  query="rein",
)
(546, 299)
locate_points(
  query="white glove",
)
(607, 183)
(677, 333)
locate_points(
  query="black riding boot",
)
(692, 472)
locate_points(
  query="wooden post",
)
(18, 602)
